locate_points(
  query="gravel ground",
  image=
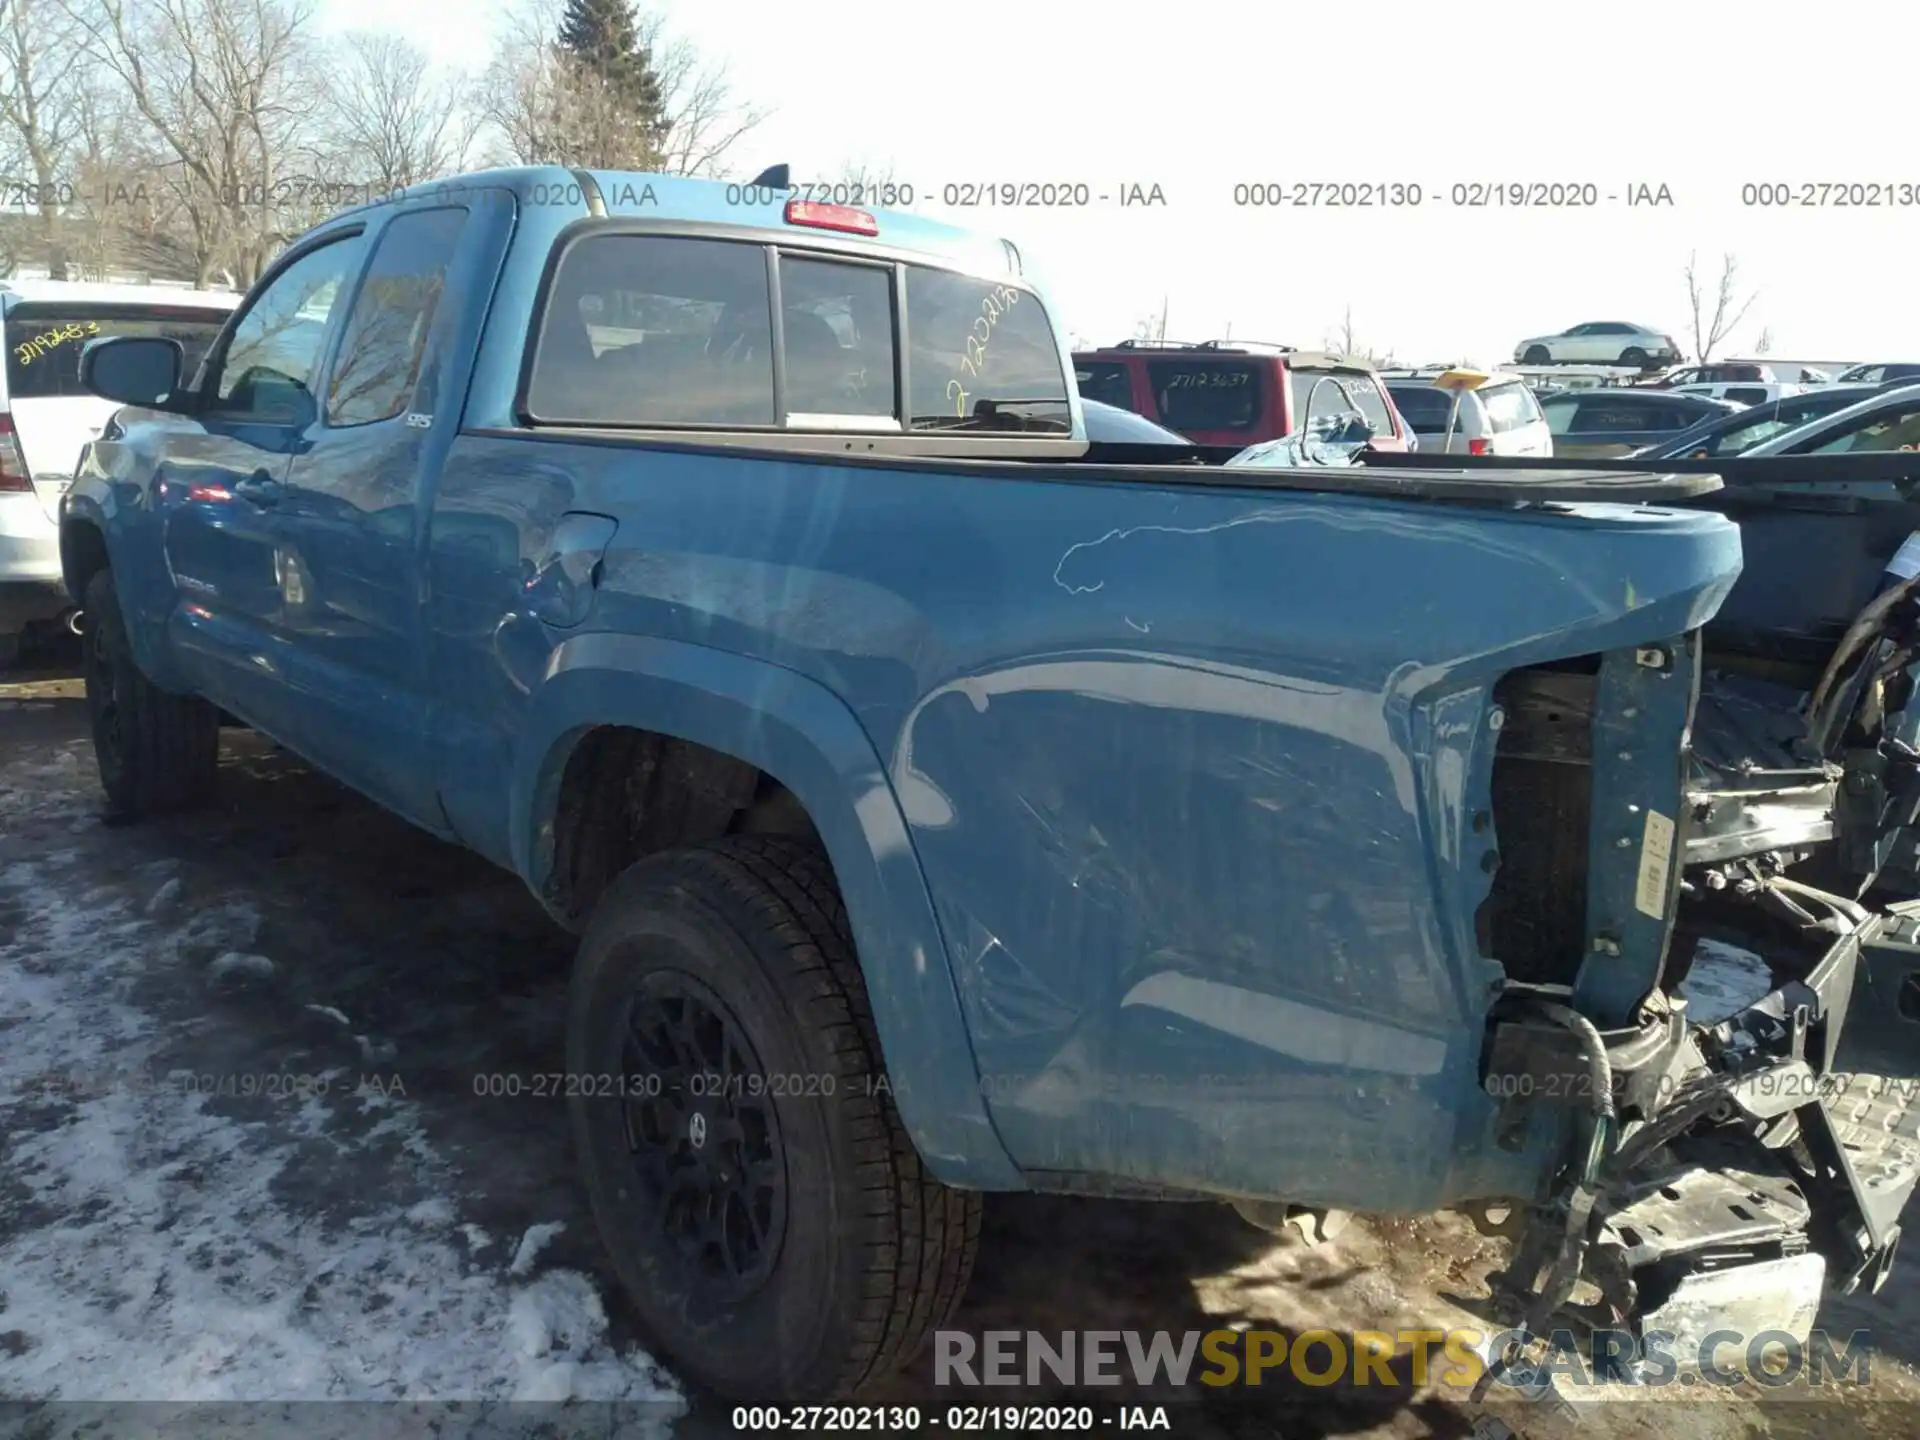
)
(244, 1157)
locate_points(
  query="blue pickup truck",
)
(946, 806)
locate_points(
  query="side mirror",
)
(135, 370)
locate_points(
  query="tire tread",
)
(172, 741)
(926, 1234)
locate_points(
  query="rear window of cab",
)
(666, 332)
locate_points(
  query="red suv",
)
(1222, 392)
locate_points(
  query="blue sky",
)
(1200, 97)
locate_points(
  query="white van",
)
(1502, 417)
(45, 417)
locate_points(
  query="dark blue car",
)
(1722, 435)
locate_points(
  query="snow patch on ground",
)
(532, 1243)
(233, 964)
(147, 1251)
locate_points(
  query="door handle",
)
(260, 488)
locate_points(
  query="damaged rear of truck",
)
(1724, 812)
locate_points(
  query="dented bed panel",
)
(1192, 774)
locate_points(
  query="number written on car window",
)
(1207, 380)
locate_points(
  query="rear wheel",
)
(1634, 355)
(1536, 355)
(765, 1210)
(156, 751)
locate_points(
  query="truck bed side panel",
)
(1127, 726)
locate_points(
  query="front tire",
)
(156, 751)
(1536, 355)
(766, 1212)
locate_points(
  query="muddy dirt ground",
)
(401, 1235)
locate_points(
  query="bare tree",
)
(1714, 321)
(545, 108)
(704, 119)
(128, 215)
(1152, 328)
(388, 119)
(550, 109)
(1344, 341)
(1764, 345)
(42, 88)
(224, 87)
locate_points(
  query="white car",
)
(46, 418)
(1601, 342)
(1502, 417)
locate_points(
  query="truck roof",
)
(637, 194)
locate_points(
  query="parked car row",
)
(1218, 392)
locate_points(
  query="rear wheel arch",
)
(784, 756)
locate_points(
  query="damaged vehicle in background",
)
(1306, 837)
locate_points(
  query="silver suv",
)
(45, 417)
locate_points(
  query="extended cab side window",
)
(983, 355)
(378, 363)
(656, 330)
(267, 371)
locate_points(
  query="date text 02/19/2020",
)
(957, 1419)
(959, 194)
(1378, 194)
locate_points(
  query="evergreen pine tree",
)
(600, 35)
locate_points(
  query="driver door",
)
(224, 476)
